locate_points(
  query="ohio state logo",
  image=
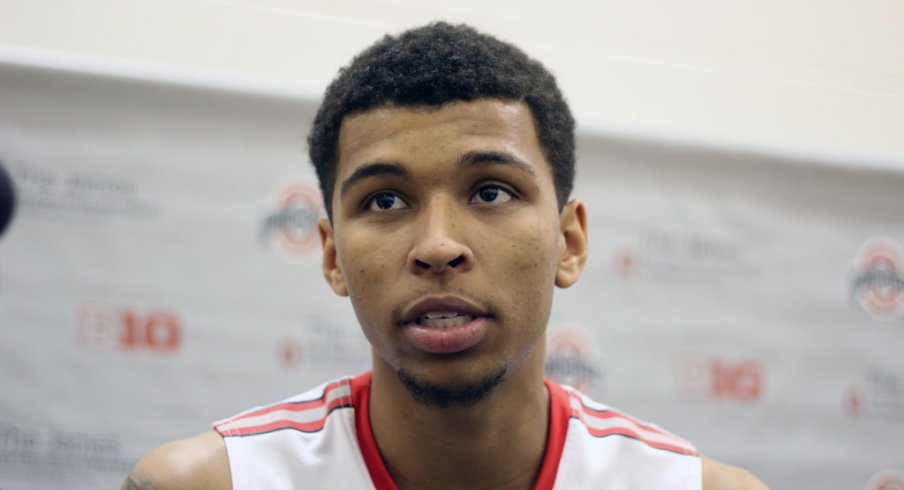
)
(569, 359)
(291, 227)
(877, 278)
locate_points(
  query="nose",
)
(438, 245)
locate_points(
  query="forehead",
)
(399, 133)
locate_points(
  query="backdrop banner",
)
(162, 271)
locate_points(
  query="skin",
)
(456, 201)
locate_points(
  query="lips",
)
(444, 325)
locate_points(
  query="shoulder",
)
(198, 462)
(720, 476)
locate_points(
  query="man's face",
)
(447, 238)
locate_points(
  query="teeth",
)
(440, 314)
(438, 319)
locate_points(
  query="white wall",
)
(819, 79)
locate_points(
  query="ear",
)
(573, 255)
(331, 270)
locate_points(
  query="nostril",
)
(456, 261)
(421, 264)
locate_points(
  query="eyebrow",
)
(372, 170)
(469, 159)
(483, 158)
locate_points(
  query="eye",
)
(385, 201)
(491, 194)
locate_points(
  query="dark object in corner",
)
(7, 199)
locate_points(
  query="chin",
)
(457, 393)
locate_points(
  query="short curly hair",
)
(431, 66)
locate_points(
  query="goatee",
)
(437, 396)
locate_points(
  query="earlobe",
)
(331, 270)
(573, 223)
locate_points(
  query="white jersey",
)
(322, 439)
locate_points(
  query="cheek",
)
(534, 248)
(363, 268)
(530, 263)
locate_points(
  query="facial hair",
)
(436, 396)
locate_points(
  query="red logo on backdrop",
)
(877, 278)
(291, 227)
(886, 480)
(625, 262)
(570, 359)
(103, 326)
(741, 380)
(289, 353)
(853, 400)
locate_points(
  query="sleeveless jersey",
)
(322, 439)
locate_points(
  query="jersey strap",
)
(602, 421)
(372, 458)
(559, 414)
(304, 415)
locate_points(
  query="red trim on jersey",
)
(559, 414)
(297, 406)
(687, 448)
(615, 414)
(379, 475)
(312, 426)
(634, 435)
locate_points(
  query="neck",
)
(498, 442)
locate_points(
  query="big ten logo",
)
(716, 378)
(290, 224)
(571, 358)
(886, 480)
(877, 278)
(103, 326)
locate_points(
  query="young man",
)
(446, 159)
